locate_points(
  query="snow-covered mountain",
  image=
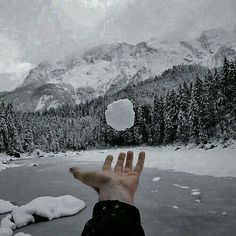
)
(109, 68)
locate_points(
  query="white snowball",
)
(120, 114)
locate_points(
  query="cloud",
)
(36, 30)
(12, 69)
(172, 19)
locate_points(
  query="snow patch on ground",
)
(155, 179)
(22, 234)
(42, 101)
(5, 206)
(180, 186)
(4, 165)
(47, 207)
(6, 232)
(195, 193)
(32, 164)
(217, 162)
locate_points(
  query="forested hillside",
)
(200, 110)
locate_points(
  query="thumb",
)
(75, 171)
(92, 179)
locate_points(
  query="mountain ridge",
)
(109, 68)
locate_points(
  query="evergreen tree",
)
(170, 117)
(183, 121)
(158, 121)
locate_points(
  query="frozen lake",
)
(167, 206)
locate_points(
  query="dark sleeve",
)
(114, 218)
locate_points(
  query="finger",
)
(139, 167)
(129, 162)
(120, 163)
(107, 163)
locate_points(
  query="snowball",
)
(48, 207)
(120, 115)
(5, 206)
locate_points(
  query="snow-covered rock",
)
(48, 207)
(6, 206)
(6, 232)
(37, 153)
(7, 222)
(120, 115)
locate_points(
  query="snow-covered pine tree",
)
(211, 92)
(197, 114)
(14, 142)
(170, 117)
(28, 142)
(183, 116)
(139, 126)
(3, 129)
(158, 121)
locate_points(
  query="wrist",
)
(119, 193)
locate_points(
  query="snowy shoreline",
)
(217, 162)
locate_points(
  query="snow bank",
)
(47, 207)
(37, 153)
(6, 232)
(218, 162)
(5, 206)
(22, 234)
(4, 166)
(120, 115)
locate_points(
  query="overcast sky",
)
(35, 30)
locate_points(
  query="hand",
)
(119, 185)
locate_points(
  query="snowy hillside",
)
(109, 68)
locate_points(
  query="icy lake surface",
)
(171, 198)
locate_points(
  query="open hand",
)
(120, 184)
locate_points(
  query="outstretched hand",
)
(120, 184)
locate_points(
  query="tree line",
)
(198, 112)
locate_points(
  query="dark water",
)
(51, 177)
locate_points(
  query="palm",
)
(121, 182)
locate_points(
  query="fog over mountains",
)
(110, 67)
